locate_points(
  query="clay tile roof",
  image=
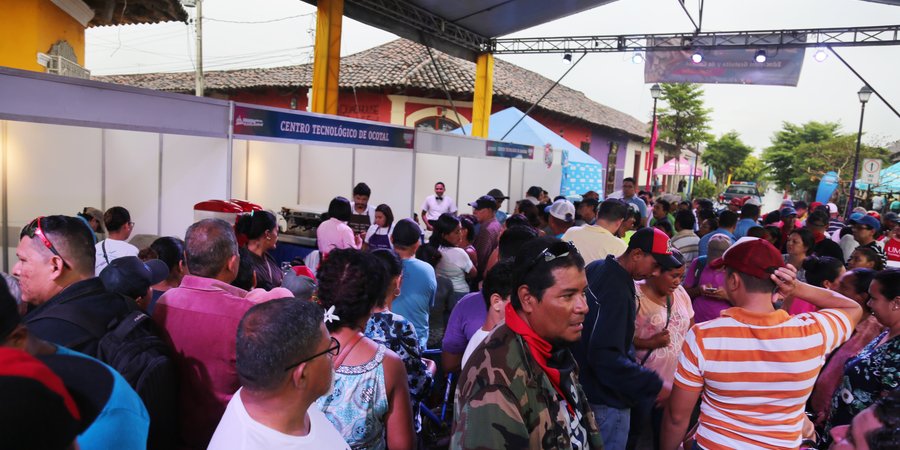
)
(130, 12)
(403, 64)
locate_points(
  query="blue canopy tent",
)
(580, 172)
(890, 181)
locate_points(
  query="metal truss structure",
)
(798, 38)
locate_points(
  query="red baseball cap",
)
(656, 242)
(753, 256)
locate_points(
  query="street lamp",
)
(655, 92)
(864, 95)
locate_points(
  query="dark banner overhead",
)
(782, 66)
(509, 150)
(249, 121)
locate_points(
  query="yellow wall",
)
(31, 26)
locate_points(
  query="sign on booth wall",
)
(250, 121)
(508, 150)
(871, 171)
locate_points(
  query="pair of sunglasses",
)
(556, 250)
(34, 229)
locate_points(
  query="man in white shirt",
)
(119, 227)
(284, 362)
(437, 204)
(598, 241)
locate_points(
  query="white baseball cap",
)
(563, 210)
(832, 208)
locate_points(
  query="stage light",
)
(567, 58)
(637, 58)
(820, 55)
(760, 56)
(697, 57)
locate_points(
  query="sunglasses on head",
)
(334, 349)
(556, 250)
(34, 229)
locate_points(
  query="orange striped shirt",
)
(756, 372)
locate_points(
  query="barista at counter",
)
(334, 233)
(363, 214)
(261, 231)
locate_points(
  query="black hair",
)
(429, 254)
(516, 220)
(531, 212)
(498, 280)
(665, 204)
(664, 226)
(629, 180)
(821, 269)
(115, 218)
(208, 245)
(757, 232)
(685, 220)
(612, 210)
(512, 240)
(530, 270)
(350, 280)
(887, 411)
(445, 224)
(704, 203)
(339, 208)
(706, 214)
(559, 197)
(388, 214)
(752, 284)
(441, 183)
(845, 231)
(271, 337)
(170, 250)
(71, 237)
(727, 219)
(406, 234)
(392, 266)
(468, 224)
(862, 277)
(889, 280)
(713, 223)
(750, 211)
(772, 217)
(362, 189)
(534, 191)
(809, 241)
(253, 225)
(800, 204)
(244, 278)
(685, 203)
(774, 232)
(818, 219)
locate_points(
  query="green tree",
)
(752, 170)
(703, 188)
(813, 159)
(684, 119)
(725, 154)
(779, 157)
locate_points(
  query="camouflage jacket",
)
(507, 401)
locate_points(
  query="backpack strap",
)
(105, 256)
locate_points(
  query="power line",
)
(247, 22)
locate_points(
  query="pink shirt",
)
(334, 234)
(200, 320)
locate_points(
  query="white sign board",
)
(871, 171)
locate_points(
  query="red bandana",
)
(540, 349)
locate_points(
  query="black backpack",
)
(132, 346)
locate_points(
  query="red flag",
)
(653, 139)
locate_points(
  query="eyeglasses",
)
(333, 350)
(556, 250)
(34, 229)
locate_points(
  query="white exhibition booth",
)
(67, 143)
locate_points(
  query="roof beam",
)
(798, 38)
(417, 24)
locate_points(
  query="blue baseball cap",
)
(870, 222)
(854, 218)
(788, 211)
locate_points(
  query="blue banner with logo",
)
(509, 150)
(827, 187)
(249, 121)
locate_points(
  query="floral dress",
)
(872, 374)
(397, 334)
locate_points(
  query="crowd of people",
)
(630, 322)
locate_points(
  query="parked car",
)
(743, 190)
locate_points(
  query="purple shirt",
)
(200, 320)
(466, 318)
(486, 241)
(705, 307)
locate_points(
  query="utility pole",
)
(198, 77)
